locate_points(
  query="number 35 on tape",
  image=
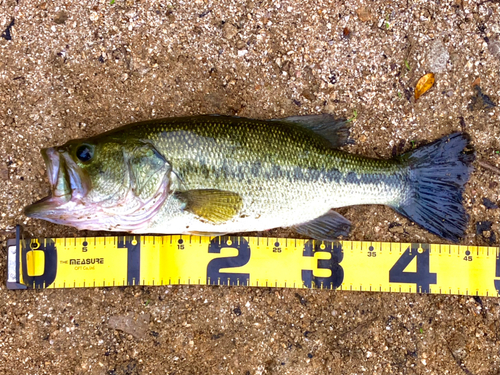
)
(253, 261)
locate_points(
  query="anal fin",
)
(207, 234)
(325, 228)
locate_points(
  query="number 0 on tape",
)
(252, 261)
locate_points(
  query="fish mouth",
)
(67, 185)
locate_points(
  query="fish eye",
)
(84, 153)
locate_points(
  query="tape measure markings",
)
(254, 261)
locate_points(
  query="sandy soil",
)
(73, 69)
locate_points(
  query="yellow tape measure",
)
(253, 261)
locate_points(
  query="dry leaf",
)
(424, 84)
(346, 33)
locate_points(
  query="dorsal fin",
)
(335, 130)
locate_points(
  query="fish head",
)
(103, 185)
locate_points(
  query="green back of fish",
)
(207, 151)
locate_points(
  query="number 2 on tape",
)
(214, 276)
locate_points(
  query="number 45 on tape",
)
(252, 261)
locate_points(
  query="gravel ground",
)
(72, 69)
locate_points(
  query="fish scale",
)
(295, 180)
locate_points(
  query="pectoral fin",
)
(325, 228)
(213, 205)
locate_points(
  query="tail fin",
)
(437, 175)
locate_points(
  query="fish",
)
(214, 174)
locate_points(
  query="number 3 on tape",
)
(337, 272)
(422, 277)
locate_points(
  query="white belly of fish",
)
(292, 206)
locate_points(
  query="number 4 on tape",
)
(422, 277)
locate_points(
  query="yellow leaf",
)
(424, 84)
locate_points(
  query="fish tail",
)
(437, 173)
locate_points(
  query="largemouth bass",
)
(218, 174)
